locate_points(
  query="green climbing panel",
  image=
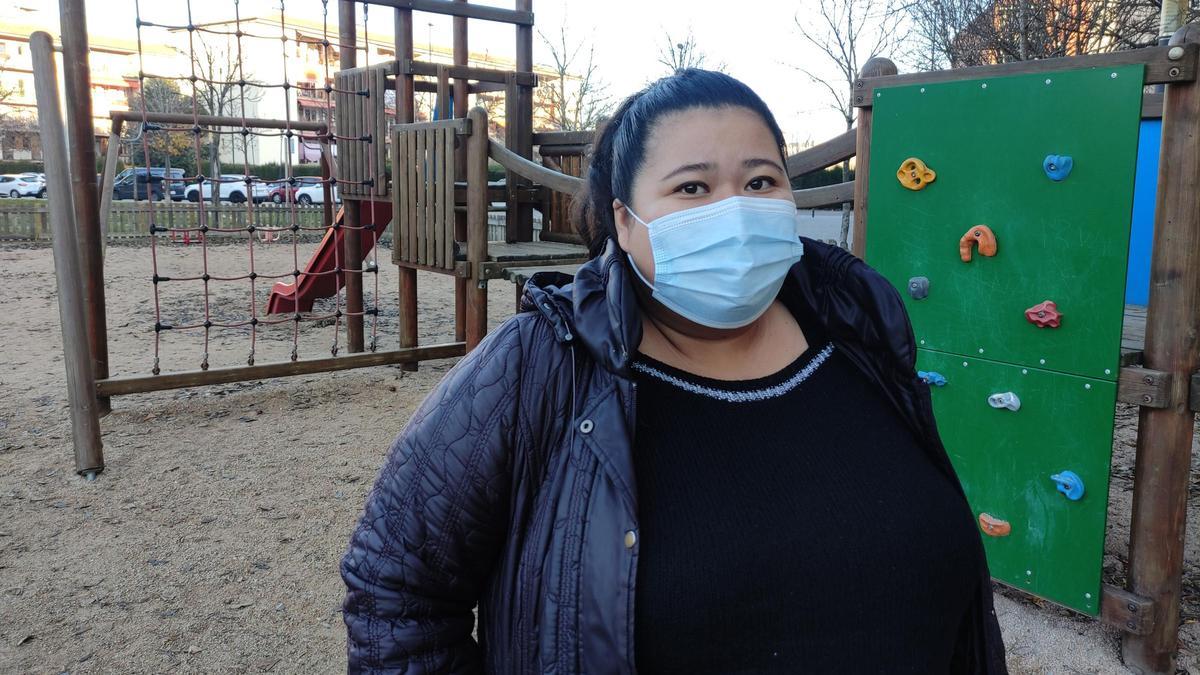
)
(1005, 460)
(1064, 241)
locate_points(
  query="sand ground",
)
(211, 542)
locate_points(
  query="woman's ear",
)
(624, 224)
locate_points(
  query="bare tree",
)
(14, 124)
(678, 54)
(933, 27)
(846, 33)
(576, 98)
(224, 87)
(956, 33)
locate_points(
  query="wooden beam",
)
(837, 149)
(405, 114)
(1144, 387)
(560, 182)
(68, 273)
(477, 227)
(117, 386)
(875, 69)
(1160, 69)
(460, 125)
(497, 269)
(1164, 441)
(1126, 611)
(826, 195)
(472, 88)
(81, 150)
(564, 137)
(217, 121)
(470, 11)
(562, 237)
(426, 69)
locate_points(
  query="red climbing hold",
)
(1044, 315)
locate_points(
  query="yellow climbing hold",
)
(914, 175)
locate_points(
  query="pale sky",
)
(756, 42)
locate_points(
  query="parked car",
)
(281, 192)
(132, 183)
(39, 178)
(233, 187)
(314, 193)
(14, 186)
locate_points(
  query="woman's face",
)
(695, 157)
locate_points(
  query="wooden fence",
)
(26, 220)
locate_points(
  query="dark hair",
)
(619, 148)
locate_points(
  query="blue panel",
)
(1137, 281)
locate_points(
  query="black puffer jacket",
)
(512, 485)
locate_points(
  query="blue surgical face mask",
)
(722, 264)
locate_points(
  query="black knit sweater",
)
(792, 524)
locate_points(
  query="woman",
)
(709, 453)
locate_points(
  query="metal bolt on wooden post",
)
(1164, 443)
(81, 383)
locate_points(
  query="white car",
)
(15, 186)
(314, 193)
(233, 188)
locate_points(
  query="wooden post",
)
(518, 136)
(351, 236)
(77, 91)
(110, 170)
(461, 58)
(1164, 443)
(326, 163)
(81, 383)
(405, 113)
(876, 67)
(477, 234)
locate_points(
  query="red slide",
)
(320, 281)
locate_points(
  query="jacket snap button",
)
(630, 539)
(586, 426)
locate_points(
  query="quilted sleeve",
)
(434, 521)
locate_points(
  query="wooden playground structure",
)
(428, 181)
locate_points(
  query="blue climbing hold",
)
(932, 378)
(1057, 167)
(1070, 484)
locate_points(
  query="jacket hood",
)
(599, 308)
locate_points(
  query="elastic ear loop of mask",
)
(629, 256)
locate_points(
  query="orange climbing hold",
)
(980, 235)
(993, 526)
(914, 175)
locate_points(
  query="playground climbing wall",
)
(1000, 210)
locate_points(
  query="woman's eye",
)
(761, 183)
(692, 188)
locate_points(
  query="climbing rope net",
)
(233, 88)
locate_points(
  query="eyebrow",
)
(705, 166)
